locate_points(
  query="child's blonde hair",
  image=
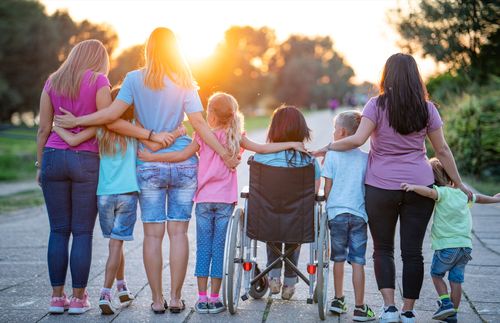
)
(349, 120)
(163, 58)
(226, 111)
(441, 177)
(108, 139)
(86, 55)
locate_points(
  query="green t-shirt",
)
(452, 222)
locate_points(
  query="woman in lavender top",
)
(397, 122)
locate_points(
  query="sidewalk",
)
(25, 289)
(10, 188)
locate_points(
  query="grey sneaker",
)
(363, 314)
(338, 305)
(287, 292)
(106, 305)
(275, 285)
(201, 307)
(217, 307)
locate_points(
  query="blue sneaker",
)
(445, 309)
(451, 319)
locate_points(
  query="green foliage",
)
(17, 154)
(21, 200)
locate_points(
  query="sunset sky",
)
(359, 28)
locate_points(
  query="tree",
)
(130, 59)
(459, 33)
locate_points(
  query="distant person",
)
(163, 91)
(451, 237)
(398, 121)
(344, 174)
(217, 191)
(333, 104)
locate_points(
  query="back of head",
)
(441, 177)
(403, 94)
(224, 107)
(86, 55)
(164, 58)
(288, 124)
(349, 120)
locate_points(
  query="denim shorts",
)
(348, 234)
(158, 182)
(451, 260)
(117, 215)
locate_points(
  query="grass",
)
(484, 186)
(21, 200)
(17, 153)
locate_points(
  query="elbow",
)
(44, 131)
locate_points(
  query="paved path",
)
(25, 289)
(10, 188)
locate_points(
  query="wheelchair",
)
(280, 205)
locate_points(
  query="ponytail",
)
(234, 132)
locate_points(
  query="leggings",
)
(384, 207)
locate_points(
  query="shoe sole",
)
(444, 314)
(56, 310)
(217, 310)
(202, 311)
(125, 297)
(362, 318)
(391, 320)
(78, 311)
(336, 310)
(106, 308)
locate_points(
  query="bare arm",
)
(364, 131)
(249, 144)
(171, 157)
(485, 199)
(328, 186)
(445, 156)
(420, 190)
(46, 116)
(201, 127)
(74, 139)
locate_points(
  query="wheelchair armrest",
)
(245, 192)
(320, 196)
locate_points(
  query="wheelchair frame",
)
(240, 261)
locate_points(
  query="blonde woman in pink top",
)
(217, 191)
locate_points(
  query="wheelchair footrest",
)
(309, 301)
(244, 297)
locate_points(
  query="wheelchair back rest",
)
(281, 203)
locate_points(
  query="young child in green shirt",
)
(451, 237)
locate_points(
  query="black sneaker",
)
(217, 307)
(338, 305)
(363, 314)
(201, 307)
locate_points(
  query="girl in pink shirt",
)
(217, 191)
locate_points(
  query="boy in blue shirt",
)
(344, 174)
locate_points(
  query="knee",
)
(413, 255)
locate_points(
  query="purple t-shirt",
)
(83, 105)
(395, 158)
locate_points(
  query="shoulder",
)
(132, 75)
(371, 108)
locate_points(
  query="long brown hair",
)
(164, 58)
(403, 94)
(288, 124)
(224, 108)
(86, 55)
(109, 140)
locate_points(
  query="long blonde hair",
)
(224, 108)
(86, 55)
(108, 139)
(163, 57)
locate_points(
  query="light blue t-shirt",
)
(117, 173)
(160, 110)
(347, 170)
(288, 158)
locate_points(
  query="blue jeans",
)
(157, 181)
(348, 234)
(211, 227)
(117, 215)
(451, 260)
(69, 183)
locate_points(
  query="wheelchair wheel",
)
(235, 261)
(260, 288)
(226, 257)
(323, 268)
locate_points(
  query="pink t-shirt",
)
(395, 158)
(216, 183)
(84, 104)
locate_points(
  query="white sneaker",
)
(409, 316)
(275, 285)
(389, 314)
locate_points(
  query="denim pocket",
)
(187, 172)
(149, 176)
(89, 162)
(448, 256)
(48, 158)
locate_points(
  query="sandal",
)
(178, 309)
(162, 311)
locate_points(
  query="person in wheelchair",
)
(287, 124)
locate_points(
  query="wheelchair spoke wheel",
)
(234, 261)
(323, 267)
(260, 288)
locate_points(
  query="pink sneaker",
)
(79, 306)
(58, 304)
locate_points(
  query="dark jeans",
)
(290, 275)
(384, 207)
(69, 184)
